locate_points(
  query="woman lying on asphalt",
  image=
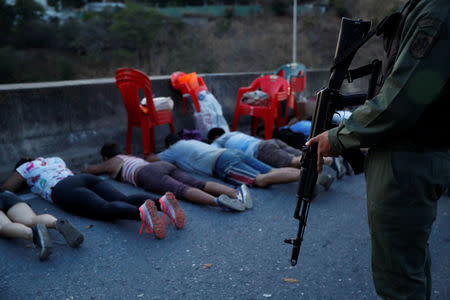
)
(160, 177)
(19, 221)
(90, 196)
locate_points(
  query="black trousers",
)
(8, 200)
(92, 197)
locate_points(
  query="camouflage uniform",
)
(408, 165)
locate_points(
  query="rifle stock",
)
(328, 100)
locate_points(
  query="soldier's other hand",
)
(323, 148)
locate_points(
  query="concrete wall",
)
(72, 119)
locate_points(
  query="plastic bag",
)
(161, 103)
(188, 134)
(257, 98)
(210, 114)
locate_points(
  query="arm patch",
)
(425, 37)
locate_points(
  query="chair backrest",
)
(297, 83)
(289, 70)
(174, 79)
(189, 79)
(272, 84)
(130, 81)
(187, 83)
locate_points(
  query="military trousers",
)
(402, 192)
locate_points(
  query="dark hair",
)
(171, 139)
(214, 133)
(109, 150)
(23, 160)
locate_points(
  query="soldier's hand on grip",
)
(323, 148)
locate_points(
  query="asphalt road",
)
(218, 255)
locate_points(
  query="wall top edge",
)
(52, 84)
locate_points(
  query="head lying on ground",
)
(23, 160)
(215, 133)
(109, 150)
(171, 139)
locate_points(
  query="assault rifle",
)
(353, 34)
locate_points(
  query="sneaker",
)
(73, 236)
(244, 196)
(226, 202)
(171, 208)
(325, 180)
(42, 240)
(339, 167)
(151, 220)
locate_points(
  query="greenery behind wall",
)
(95, 44)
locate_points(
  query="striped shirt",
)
(130, 165)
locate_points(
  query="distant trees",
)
(94, 44)
(34, 49)
(368, 9)
(26, 11)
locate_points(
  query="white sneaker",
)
(244, 196)
(226, 202)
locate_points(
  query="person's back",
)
(131, 164)
(42, 174)
(238, 141)
(192, 155)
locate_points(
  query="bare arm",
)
(152, 157)
(111, 167)
(14, 183)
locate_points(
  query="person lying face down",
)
(90, 196)
(229, 165)
(273, 152)
(19, 221)
(160, 177)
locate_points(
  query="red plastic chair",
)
(130, 81)
(296, 75)
(277, 89)
(188, 84)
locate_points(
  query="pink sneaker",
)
(151, 219)
(171, 208)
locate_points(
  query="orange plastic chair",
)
(130, 81)
(188, 84)
(277, 88)
(295, 74)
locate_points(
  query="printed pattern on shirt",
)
(130, 165)
(42, 174)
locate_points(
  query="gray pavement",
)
(218, 255)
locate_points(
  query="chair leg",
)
(268, 127)
(172, 128)
(145, 140)
(296, 112)
(254, 125)
(129, 134)
(152, 140)
(235, 121)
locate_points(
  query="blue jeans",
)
(238, 168)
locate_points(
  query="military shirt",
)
(418, 79)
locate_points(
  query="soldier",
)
(408, 165)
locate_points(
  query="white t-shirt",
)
(42, 174)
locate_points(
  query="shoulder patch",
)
(426, 36)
